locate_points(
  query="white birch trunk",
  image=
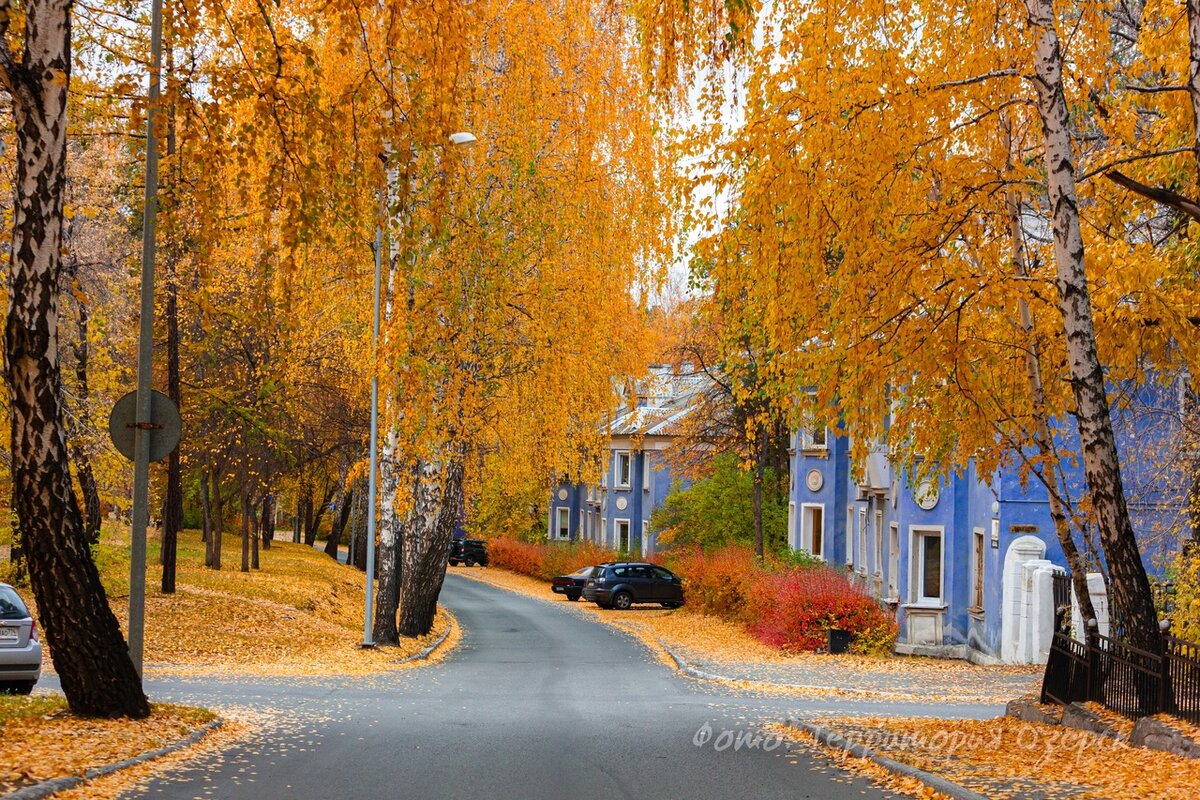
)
(1130, 587)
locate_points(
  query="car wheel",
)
(24, 687)
(572, 596)
(470, 562)
(453, 563)
(622, 601)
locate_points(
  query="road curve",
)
(538, 702)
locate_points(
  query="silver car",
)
(20, 650)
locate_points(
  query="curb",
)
(421, 656)
(56, 785)
(692, 672)
(839, 742)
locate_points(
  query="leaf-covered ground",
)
(300, 614)
(722, 648)
(41, 739)
(1009, 758)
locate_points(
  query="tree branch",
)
(1159, 195)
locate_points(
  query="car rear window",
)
(582, 573)
(11, 606)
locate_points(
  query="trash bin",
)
(839, 641)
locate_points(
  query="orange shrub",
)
(547, 559)
(719, 582)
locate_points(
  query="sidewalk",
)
(901, 677)
(1009, 758)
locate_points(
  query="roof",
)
(663, 400)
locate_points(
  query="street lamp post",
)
(457, 139)
(139, 514)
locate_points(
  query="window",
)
(563, 529)
(793, 542)
(816, 436)
(879, 543)
(813, 529)
(893, 575)
(862, 541)
(645, 473)
(977, 551)
(927, 566)
(624, 470)
(849, 536)
(623, 535)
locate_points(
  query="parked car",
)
(620, 584)
(469, 552)
(571, 585)
(20, 650)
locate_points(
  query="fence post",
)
(1164, 670)
(1093, 658)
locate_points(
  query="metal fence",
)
(1126, 679)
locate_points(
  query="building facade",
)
(615, 511)
(964, 561)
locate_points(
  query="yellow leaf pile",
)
(40, 739)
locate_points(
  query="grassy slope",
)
(300, 614)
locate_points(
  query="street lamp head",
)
(462, 137)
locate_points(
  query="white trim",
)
(861, 562)
(849, 536)
(617, 533)
(806, 532)
(877, 530)
(978, 569)
(617, 482)
(916, 557)
(793, 539)
(645, 471)
(893, 573)
(604, 531)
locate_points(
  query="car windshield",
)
(11, 606)
(582, 573)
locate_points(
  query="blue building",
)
(957, 558)
(615, 511)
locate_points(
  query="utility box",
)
(839, 641)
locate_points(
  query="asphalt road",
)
(538, 702)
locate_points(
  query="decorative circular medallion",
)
(562, 494)
(926, 495)
(622, 504)
(814, 480)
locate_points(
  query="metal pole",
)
(373, 449)
(139, 517)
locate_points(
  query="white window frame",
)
(618, 483)
(806, 532)
(793, 539)
(862, 541)
(849, 536)
(810, 437)
(979, 548)
(916, 560)
(617, 534)
(878, 536)
(562, 514)
(893, 574)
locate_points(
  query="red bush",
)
(793, 610)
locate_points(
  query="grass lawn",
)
(300, 614)
(40, 739)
